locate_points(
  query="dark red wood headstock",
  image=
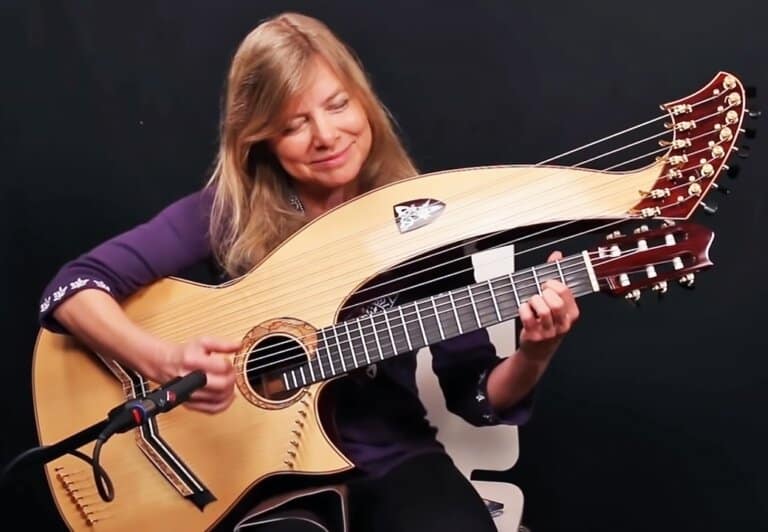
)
(705, 127)
(649, 258)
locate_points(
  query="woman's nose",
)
(325, 131)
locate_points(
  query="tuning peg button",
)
(687, 280)
(721, 189)
(709, 209)
(749, 132)
(660, 287)
(633, 296)
(742, 151)
(754, 113)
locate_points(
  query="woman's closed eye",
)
(294, 125)
(339, 104)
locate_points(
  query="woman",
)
(301, 133)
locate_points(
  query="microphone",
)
(135, 412)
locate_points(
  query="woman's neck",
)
(317, 201)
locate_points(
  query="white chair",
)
(473, 448)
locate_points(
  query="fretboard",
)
(374, 337)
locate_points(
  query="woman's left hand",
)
(546, 318)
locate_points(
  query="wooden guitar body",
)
(186, 470)
(307, 279)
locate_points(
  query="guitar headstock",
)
(705, 127)
(650, 258)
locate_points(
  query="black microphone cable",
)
(130, 414)
(135, 413)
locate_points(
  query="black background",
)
(649, 418)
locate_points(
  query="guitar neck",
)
(371, 338)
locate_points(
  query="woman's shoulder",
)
(197, 202)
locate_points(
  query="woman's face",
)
(326, 136)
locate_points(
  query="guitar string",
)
(704, 133)
(311, 336)
(301, 356)
(467, 270)
(523, 287)
(542, 163)
(631, 128)
(548, 266)
(546, 244)
(366, 301)
(365, 337)
(566, 271)
(143, 319)
(188, 322)
(520, 287)
(288, 280)
(326, 282)
(518, 254)
(491, 235)
(239, 428)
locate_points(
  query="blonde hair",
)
(251, 213)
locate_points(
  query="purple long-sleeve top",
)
(380, 419)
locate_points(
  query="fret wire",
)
(504, 296)
(514, 290)
(319, 354)
(536, 280)
(493, 292)
(421, 323)
(341, 353)
(405, 328)
(309, 363)
(437, 318)
(560, 271)
(351, 345)
(330, 352)
(389, 330)
(376, 337)
(580, 287)
(493, 298)
(362, 339)
(474, 305)
(455, 312)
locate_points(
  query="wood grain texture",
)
(308, 278)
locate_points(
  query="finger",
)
(565, 293)
(554, 302)
(218, 388)
(527, 317)
(542, 311)
(215, 365)
(207, 406)
(555, 255)
(218, 345)
(220, 383)
(560, 318)
(210, 396)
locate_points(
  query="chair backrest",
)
(492, 448)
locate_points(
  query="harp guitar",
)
(188, 470)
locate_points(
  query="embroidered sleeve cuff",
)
(50, 301)
(517, 414)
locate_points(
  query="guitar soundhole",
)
(266, 363)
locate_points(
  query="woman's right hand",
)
(207, 354)
(97, 319)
